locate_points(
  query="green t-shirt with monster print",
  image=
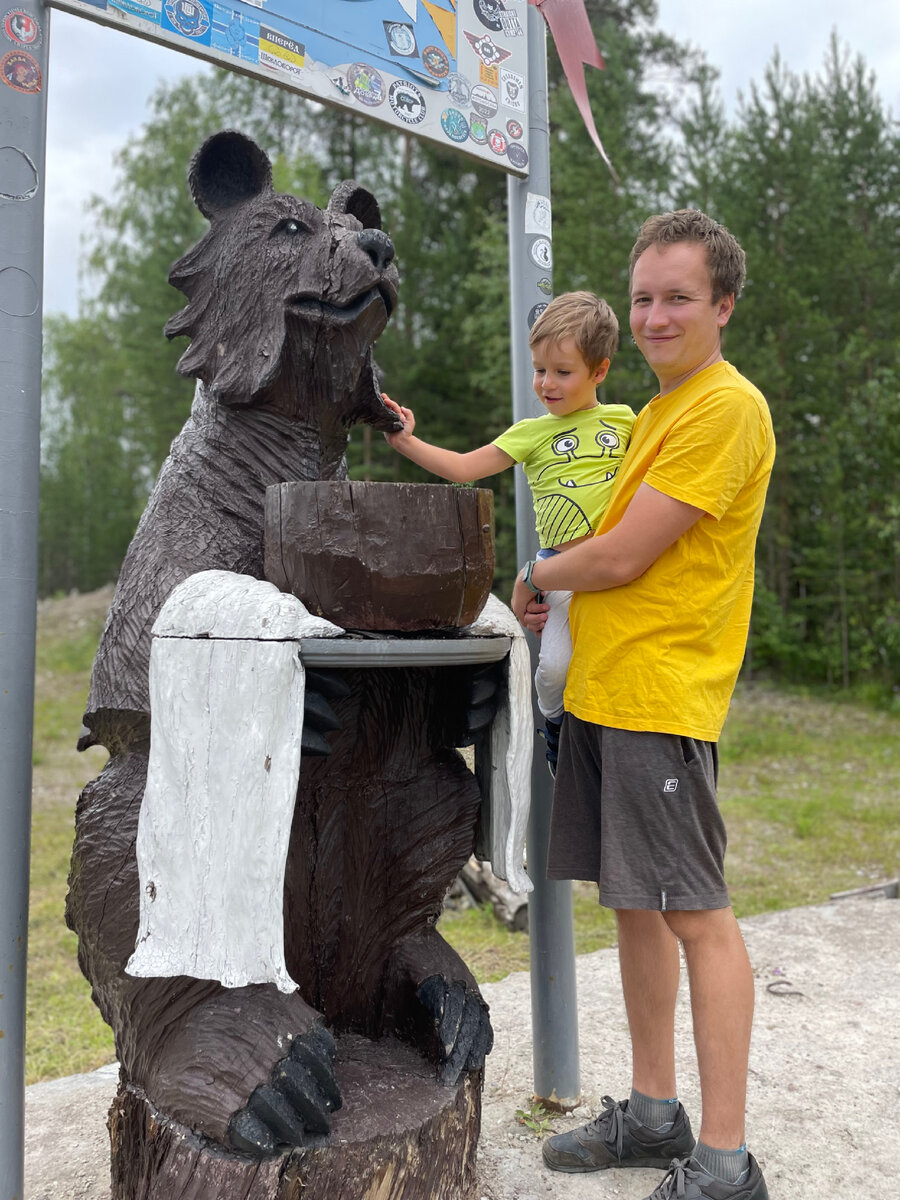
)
(570, 464)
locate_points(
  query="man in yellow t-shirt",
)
(659, 626)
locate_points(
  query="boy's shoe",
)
(687, 1180)
(551, 733)
(617, 1139)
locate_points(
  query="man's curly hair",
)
(724, 255)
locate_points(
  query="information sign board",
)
(449, 70)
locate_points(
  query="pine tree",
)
(808, 181)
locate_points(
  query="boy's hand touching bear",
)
(405, 415)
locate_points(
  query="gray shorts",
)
(637, 812)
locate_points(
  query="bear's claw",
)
(462, 1025)
(297, 1102)
(316, 1064)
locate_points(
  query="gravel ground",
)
(824, 1071)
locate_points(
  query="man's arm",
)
(459, 468)
(652, 522)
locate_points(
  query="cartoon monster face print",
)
(562, 513)
(566, 445)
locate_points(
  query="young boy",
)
(570, 455)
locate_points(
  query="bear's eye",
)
(291, 226)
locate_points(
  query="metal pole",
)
(554, 1019)
(24, 38)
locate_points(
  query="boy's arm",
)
(650, 524)
(459, 468)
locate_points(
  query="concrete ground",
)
(824, 1072)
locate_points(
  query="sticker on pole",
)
(21, 72)
(538, 214)
(541, 253)
(407, 102)
(21, 27)
(280, 53)
(188, 17)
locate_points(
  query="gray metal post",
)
(554, 1019)
(23, 121)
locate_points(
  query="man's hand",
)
(530, 609)
(652, 522)
(405, 415)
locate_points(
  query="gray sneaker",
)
(617, 1139)
(687, 1180)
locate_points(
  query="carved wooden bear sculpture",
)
(285, 301)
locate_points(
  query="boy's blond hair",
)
(585, 318)
(724, 256)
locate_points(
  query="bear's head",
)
(285, 298)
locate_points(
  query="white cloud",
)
(740, 38)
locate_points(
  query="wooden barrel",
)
(382, 556)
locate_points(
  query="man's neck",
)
(670, 385)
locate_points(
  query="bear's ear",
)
(228, 169)
(349, 197)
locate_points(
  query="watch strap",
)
(526, 577)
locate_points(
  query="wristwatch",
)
(526, 577)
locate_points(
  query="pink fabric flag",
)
(575, 44)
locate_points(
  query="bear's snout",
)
(378, 246)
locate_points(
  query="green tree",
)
(92, 488)
(808, 180)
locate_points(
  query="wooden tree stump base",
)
(400, 1135)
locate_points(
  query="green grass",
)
(64, 1034)
(810, 791)
(809, 786)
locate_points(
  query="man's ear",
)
(726, 308)
(600, 372)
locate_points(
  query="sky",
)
(100, 80)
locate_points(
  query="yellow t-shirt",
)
(662, 653)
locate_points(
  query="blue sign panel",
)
(449, 70)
